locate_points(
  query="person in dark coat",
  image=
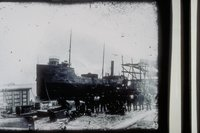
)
(102, 103)
(77, 104)
(82, 107)
(96, 103)
(87, 101)
(135, 102)
(141, 101)
(128, 103)
(91, 102)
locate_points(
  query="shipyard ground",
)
(133, 119)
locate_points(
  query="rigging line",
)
(46, 90)
(123, 64)
(70, 42)
(103, 60)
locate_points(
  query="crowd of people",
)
(114, 103)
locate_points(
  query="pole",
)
(103, 60)
(70, 42)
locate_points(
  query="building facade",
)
(15, 96)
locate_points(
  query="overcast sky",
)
(30, 33)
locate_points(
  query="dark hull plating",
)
(54, 82)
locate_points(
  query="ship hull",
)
(54, 82)
(70, 91)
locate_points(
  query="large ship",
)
(56, 80)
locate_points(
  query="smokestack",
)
(112, 68)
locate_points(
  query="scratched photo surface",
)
(78, 66)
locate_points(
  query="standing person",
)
(86, 102)
(148, 102)
(135, 101)
(102, 103)
(128, 103)
(82, 107)
(141, 101)
(77, 104)
(31, 123)
(96, 103)
(91, 102)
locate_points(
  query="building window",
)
(16, 93)
(24, 100)
(24, 96)
(24, 92)
(16, 96)
(17, 104)
(16, 100)
(9, 97)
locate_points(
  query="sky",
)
(30, 33)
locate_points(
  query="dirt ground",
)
(133, 119)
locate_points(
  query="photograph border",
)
(164, 21)
(186, 90)
(198, 67)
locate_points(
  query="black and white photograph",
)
(88, 66)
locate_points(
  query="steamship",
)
(58, 80)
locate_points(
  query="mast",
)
(103, 60)
(70, 42)
(123, 65)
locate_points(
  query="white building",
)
(13, 95)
